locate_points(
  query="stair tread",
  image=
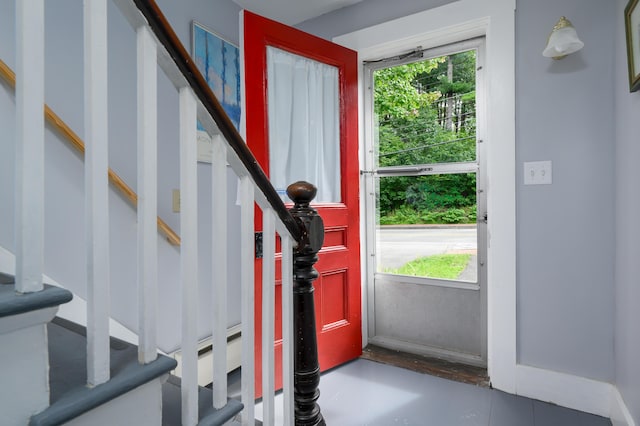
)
(209, 416)
(13, 303)
(70, 396)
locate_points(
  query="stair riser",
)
(24, 366)
(142, 406)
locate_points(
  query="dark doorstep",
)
(428, 365)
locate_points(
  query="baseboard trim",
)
(578, 393)
(205, 356)
(620, 414)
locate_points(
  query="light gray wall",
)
(221, 16)
(565, 231)
(627, 112)
(565, 241)
(64, 227)
(365, 14)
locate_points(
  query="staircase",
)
(59, 372)
(72, 402)
(129, 397)
(24, 362)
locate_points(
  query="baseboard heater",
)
(205, 356)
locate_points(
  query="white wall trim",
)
(578, 393)
(495, 19)
(620, 414)
(206, 356)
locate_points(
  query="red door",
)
(337, 289)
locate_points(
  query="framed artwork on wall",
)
(219, 62)
(632, 26)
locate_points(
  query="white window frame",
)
(461, 20)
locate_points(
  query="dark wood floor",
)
(426, 365)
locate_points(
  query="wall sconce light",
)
(563, 40)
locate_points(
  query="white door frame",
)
(460, 20)
(477, 166)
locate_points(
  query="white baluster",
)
(29, 207)
(268, 315)
(147, 194)
(287, 330)
(247, 256)
(219, 269)
(96, 190)
(189, 255)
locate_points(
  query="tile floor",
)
(364, 392)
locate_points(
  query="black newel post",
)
(307, 370)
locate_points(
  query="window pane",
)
(426, 111)
(427, 226)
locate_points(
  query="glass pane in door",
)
(427, 226)
(426, 111)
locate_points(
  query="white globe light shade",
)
(563, 40)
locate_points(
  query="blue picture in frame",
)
(219, 62)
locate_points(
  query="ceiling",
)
(292, 12)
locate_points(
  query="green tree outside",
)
(426, 115)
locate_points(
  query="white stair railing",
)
(219, 268)
(189, 255)
(287, 330)
(147, 143)
(96, 190)
(29, 207)
(247, 294)
(157, 46)
(268, 313)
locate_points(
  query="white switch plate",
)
(537, 173)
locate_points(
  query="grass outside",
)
(447, 266)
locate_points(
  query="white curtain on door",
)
(304, 125)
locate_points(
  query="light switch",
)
(175, 202)
(537, 173)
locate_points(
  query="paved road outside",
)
(399, 245)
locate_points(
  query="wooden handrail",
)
(186, 65)
(52, 118)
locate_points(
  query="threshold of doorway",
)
(427, 365)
